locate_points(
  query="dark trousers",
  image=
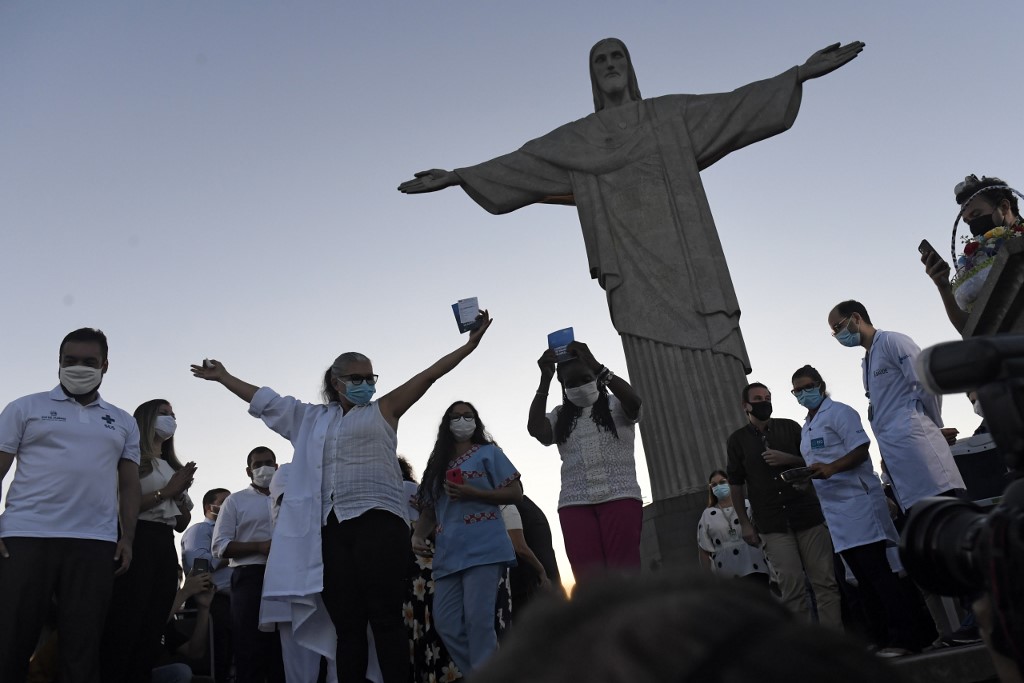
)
(880, 589)
(80, 573)
(366, 571)
(223, 647)
(257, 653)
(139, 607)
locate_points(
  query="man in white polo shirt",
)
(78, 456)
(242, 535)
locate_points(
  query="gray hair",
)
(342, 362)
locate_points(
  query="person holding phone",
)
(466, 480)
(985, 203)
(343, 528)
(834, 445)
(599, 505)
(143, 596)
(197, 548)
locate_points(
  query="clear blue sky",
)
(205, 179)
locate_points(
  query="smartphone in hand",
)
(454, 476)
(797, 474)
(200, 566)
(926, 248)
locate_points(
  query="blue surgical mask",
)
(847, 338)
(810, 398)
(720, 490)
(360, 394)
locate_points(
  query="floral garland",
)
(979, 251)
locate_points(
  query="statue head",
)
(611, 72)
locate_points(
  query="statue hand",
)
(828, 59)
(430, 181)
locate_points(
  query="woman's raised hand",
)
(485, 321)
(210, 369)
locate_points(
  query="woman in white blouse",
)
(720, 544)
(599, 504)
(143, 596)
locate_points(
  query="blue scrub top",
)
(471, 533)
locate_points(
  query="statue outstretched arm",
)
(430, 181)
(828, 59)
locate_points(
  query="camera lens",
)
(939, 545)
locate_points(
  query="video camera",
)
(953, 547)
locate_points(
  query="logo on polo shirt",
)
(53, 417)
(109, 420)
(882, 371)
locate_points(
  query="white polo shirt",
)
(245, 517)
(66, 455)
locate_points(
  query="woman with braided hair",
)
(594, 427)
(985, 203)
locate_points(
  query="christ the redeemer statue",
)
(633, 171)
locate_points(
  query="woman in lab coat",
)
(835, 447)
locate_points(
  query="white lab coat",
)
(906, 420)
(853, 502)
(295, 571)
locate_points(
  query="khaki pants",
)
(796, 553)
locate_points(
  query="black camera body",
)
(954, 547)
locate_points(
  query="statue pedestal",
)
(669, 538)
(691, 406)
(1000, 306)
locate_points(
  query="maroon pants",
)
(602, 537)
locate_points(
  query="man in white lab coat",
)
(905, 418)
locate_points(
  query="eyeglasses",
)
(456, 418)
(835, 328)
(799, 390)
(359, 379)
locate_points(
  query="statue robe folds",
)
(652, 245)
(650, 238)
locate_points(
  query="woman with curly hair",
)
(465, 481)
(599, 505)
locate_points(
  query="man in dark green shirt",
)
(788, 517)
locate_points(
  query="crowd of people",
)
(312, 561)
(339, 566)
(801, 507)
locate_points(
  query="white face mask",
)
(80, 380)
(165, 426)
(463, 429)
(261, 476)
(583, 396)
